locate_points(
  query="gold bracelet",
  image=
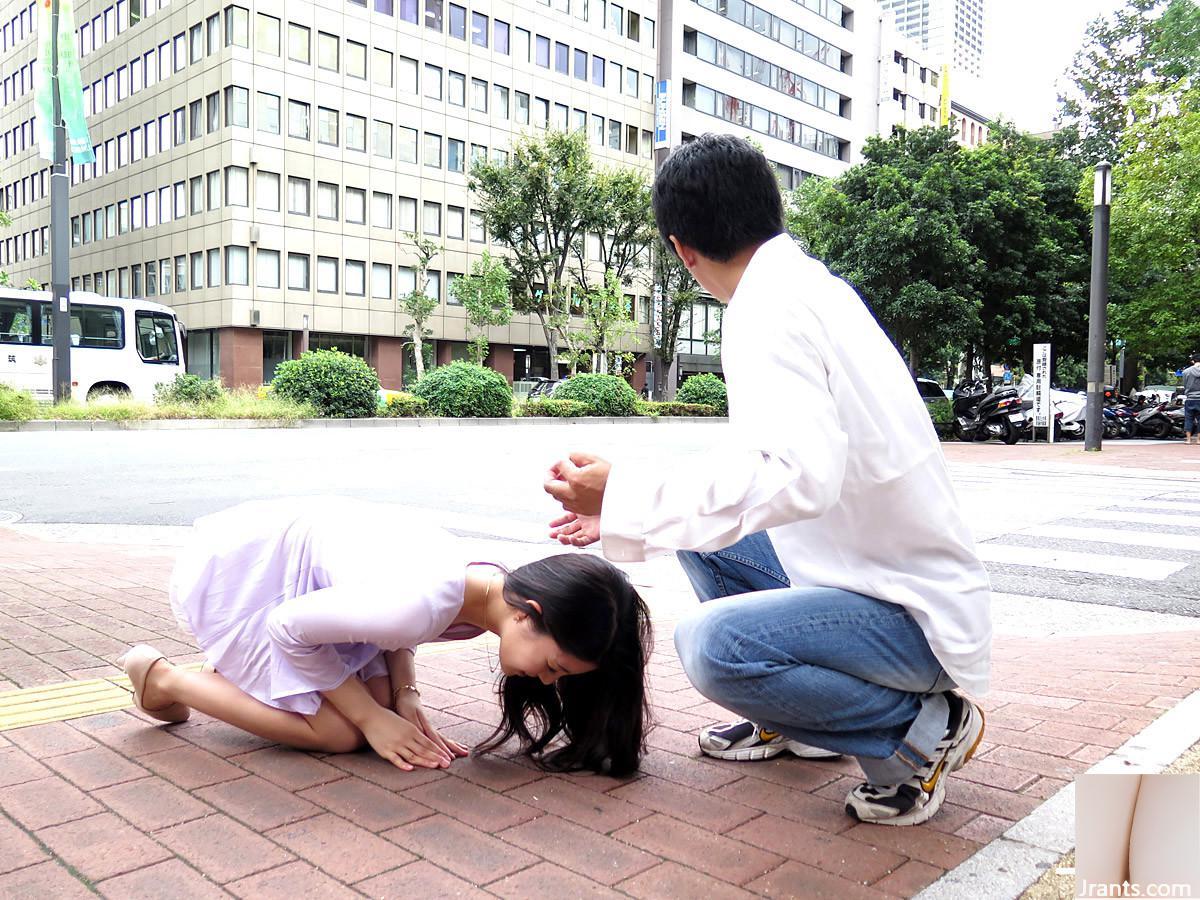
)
(405, 687)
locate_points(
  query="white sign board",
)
(662, 114)
(1042, 410)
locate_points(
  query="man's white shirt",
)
(830, 449)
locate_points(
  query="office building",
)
(953, 30)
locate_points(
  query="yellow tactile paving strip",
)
(67, 700)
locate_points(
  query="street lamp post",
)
(60, 263)
(1098, 314)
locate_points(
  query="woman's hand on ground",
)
(408, 707)
(402, 743)
(575, 531)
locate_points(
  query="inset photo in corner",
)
(1137, 835)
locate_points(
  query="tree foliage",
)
(417, 304)
(1155, 224)
(486, 294)
(1145, 45)
(953, 248)
(677, 291)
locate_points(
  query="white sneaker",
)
(746, 741)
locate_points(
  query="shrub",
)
(605, 395)
(336, 384)
(16, 405)
(553, 407)
(650, 408)
(462, 390)
(942, 414)
(706, 388)
(403, 406)
(187, 388)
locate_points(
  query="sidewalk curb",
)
(1019, 857)
(430, 422)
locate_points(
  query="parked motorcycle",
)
(1154, 421)
(981, 414)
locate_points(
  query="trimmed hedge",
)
(941, 412)
(336, 384)
(465, 390)
(652, 408)
(605, 395)
(553, 407)
(188, 388)
(17, 406)
(705, 388)
(403, 406)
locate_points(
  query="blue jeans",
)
(1191, 416)
(823, 666)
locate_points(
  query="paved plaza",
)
(1095, 561)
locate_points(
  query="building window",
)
(266, 264)
(407, 215)
(268, 113)
(356, 276)
(431, 216)
(478, 232)
(327, 200)
(197, 264)
(381, 210)
(298, 271)
(298, 120)
(598, 71)
(266, 34)
(237, 107)
(433, 15)
(298, 195)
(356, 206)
(455, 222)
(382, 67)
(381, 139)
(327, 275)
(543, 51)
(328, 51)
(522, 108)
(408, 75)
(500, 99)
(500, 36)
(479, 29)
(479, 95)
(381, 281)
(237, 186)
(327, 126)
(237, 265)
(356, 59)
(237, 26)
(456, 88)
(458, 22)
(266, 191)
(298, 48)
(356, 133)
(406, 144)
(455, 151)
(433, 150)
(581, 71)
(433, 82)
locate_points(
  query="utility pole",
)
(60, 246)
(1098, 313)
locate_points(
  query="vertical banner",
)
(1042, 410)
(662, 115)
(944, 108)
(70, 85)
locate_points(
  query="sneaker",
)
(916, 799)
(746, 741)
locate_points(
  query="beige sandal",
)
(137, 663)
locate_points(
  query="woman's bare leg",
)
(1165, 835)
(214, 695)
(1104, 807)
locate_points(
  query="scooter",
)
(1153, 421)
(980, 414)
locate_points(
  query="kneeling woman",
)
(309, 611)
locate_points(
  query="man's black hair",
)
(1195, 356)
(718, 195)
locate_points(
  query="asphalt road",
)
(1046, 532)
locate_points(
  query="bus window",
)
(156, 337)
(99, 327)
(16, 322)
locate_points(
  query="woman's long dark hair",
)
(592, 612)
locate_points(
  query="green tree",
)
(486, 295)
(618, 214)
(1147, 44)
(1155, 223)
(536, 205)
(675, 293)
(890, 227)
(417, 304)
(608, 318)
(5, 222)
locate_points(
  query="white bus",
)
(118, 347)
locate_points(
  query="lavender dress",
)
(291, 597)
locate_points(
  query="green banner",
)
(70, 86)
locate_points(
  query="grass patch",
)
(238, 404)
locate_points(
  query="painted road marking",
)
(1116, 536)
(1092, 563)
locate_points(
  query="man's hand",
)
(578, 483)
(576, 531)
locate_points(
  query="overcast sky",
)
(1028, 45)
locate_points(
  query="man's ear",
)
(686, 254)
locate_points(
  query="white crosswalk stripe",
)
(1074, 561)
(1115, 536)
(1141, 518)
(1163, 505)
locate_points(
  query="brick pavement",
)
(111, 804)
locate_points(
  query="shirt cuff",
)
(622, 535)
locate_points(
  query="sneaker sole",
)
(769, 751)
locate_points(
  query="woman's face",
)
(534, 654)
